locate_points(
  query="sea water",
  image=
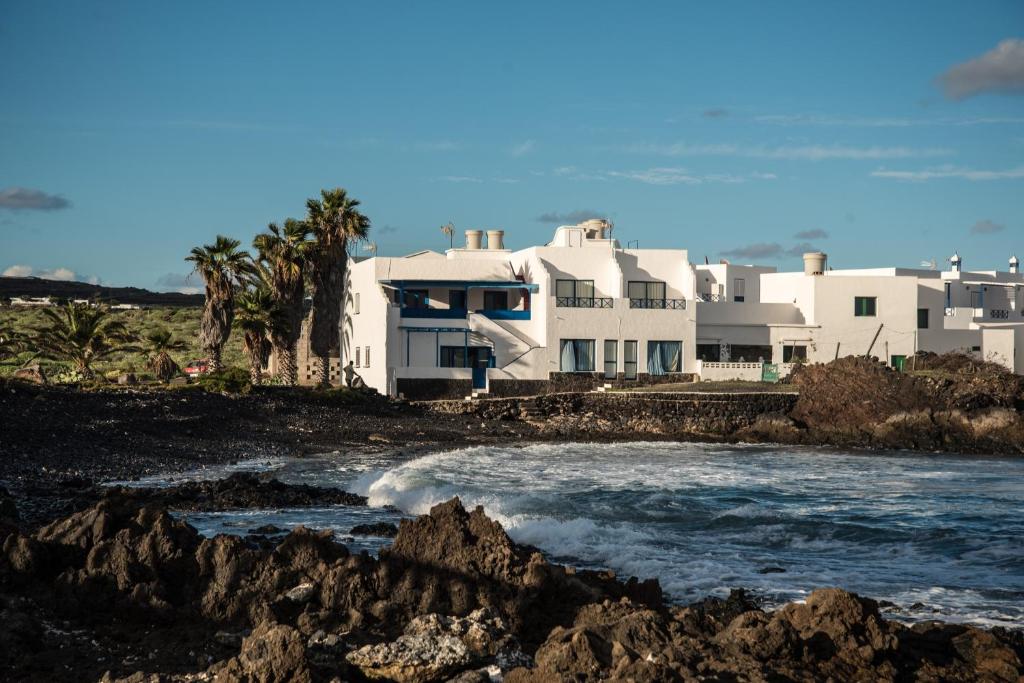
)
(937, 536)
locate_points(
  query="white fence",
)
(746, 372)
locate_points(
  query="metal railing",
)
(583, 301)
(674, 304)
(712, 298)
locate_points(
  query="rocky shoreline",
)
(123, 591)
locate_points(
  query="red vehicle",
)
(197, 367)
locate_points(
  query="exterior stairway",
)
(510, 344)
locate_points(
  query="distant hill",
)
(60, 289)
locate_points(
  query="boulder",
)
(273, 653)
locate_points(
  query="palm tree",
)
(335, 222)
(82, 334)
(449, 231)
(159, 344)
(11, 343)
(222, 266)
(259, 319)
(283, 253)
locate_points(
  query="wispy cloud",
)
(569, 217)
(523, 148)
(754, 251)
(460, 179)
(716, 113)
(785, 152)
(1000, 70)
(986, 227)
(27, 199)
(438, 146)
(947, 171)
(681, 176)
(881, 122)
(386, 230)
(815, 234)
(800, 249)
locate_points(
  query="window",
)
(864, 306)
(355, 302)
(457, 298)
(366, 358)
(574, 289)
(652, 294)
(414, 298)
(739, 289)
(495, 301)
(629, 358)
(794, 353)
(455, 357)
(922, 318)
(611, 361)
(664, 357)
(577, 355)
(357, 357)
(977, 299)
(711, 353)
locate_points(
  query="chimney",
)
(814, 263)
(594, 228)
(1014, 264)
(956, 262)
(494, 239)
(474, 239)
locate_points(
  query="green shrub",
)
(228, 380)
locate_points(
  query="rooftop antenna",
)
(370, 247)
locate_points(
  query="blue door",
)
(479, 378)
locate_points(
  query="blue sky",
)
(884, 133)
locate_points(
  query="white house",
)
(579, 310)
(821, 314)
(582, 310)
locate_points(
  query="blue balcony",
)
(504, 314)
(436, 313)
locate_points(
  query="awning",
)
(461, 284)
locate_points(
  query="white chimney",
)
(956, 262)
(1014, 264)
(814, 263)
(474, 239)
(495, 239)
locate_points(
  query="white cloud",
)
(681, 176)
(523, 148)
(18, 271)
(948, 171)
(64, 274)
(1000, 70)
(987, 227)
(460, 179)
(785, 152)
(438, 146)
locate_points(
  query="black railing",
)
(675, 304)
(583, 302)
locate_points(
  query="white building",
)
(580, 310)
(821, 314)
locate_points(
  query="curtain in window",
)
(664, 357)
(568, 356)
(584, 355)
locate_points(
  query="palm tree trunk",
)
(255, 376)
(324, 376)
(287, 367)
(214, 363)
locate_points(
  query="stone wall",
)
(440, 389)
(625, 413)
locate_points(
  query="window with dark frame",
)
(739, 290)
(629, 353)
(922, 318)
(865, 306)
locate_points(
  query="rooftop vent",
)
(474, 239)
(1014, 264)
(956, 262)
(495, 239)
(595, 228)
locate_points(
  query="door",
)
(629, 359)
(479, 378)
(611, 358)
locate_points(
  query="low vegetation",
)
(182, 324)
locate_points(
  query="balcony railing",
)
(712, 298)
(674, 304)
(504, 314)
(442, 313)
(583, 302)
